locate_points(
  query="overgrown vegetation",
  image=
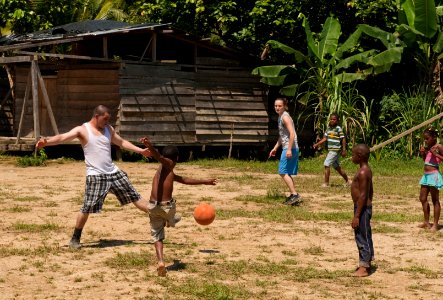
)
(33, 160)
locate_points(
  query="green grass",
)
(384, 167)
(19, 209)
(131, 260)
(24, 227)
(211, 290)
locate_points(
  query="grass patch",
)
(24, 227)
(421, 270)
(386, 229)
(41, 251)
(27, 198)
(211, 290)
(19, 209)
(130, 260)
(314, 250)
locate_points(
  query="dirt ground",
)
(242, 255)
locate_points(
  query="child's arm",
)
(192, 181)
(343, 147)
(320, 142)
(437, 150)
(274, 150)
(155, 154)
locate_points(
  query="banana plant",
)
(419, 29)
(318, 75)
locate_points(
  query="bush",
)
(34, 160)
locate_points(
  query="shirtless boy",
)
(361, 192)
(161, 204)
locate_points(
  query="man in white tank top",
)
(102, 175)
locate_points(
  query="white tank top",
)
(98, 153)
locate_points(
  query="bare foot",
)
(425, 225)
(434, 228)
(161, 270)
(361, 272)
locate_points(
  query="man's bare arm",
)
(74, 133)
(122, 143)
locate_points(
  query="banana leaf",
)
(312, 45)
(386, 57)
(289, 90)
(329, 38)
(349, 77)
(273, 71)
(360, 57)
(274, 81)
(425, 17)
(438, 45)
(299, 57)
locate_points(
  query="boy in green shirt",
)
(336, 143)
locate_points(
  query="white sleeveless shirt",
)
(284, 132)
(98, 153)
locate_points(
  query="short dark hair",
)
(335, 114)
(431, 131)
(170, 152)
(101, 110)
(363, 150)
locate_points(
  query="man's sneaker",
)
(74, 244)
(293, 199)
(287, 200)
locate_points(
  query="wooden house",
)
(159, 81)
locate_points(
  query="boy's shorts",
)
(158, 216)
(332, 159)
(98, 186)
(290, 166)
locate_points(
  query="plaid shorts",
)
(98, 186)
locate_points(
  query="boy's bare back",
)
(361, 188)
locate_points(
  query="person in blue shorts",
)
(336, 145)
(288, 165)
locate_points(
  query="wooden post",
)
(154, 46)
(105, 47)
(25, 98)
(35, 105)
(146, 49)
(232, 138)
(46, 98)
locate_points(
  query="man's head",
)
(101, 116)
(170, 152)
(360, 153)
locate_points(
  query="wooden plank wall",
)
(230, 102)
(174, 106)
(157, 101)
(73, 97)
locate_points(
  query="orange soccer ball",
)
(204, 214)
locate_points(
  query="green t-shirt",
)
(334, 135)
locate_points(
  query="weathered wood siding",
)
(73, 95)
(157, 101)
(230, 105)
(175, 104)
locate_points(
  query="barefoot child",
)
(336, 143)
(361, 192)
(432, 180)
(161, 204)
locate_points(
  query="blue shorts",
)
(432, 179)
(332, 159)
(290, 166)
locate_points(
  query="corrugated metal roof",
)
(82, 28)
